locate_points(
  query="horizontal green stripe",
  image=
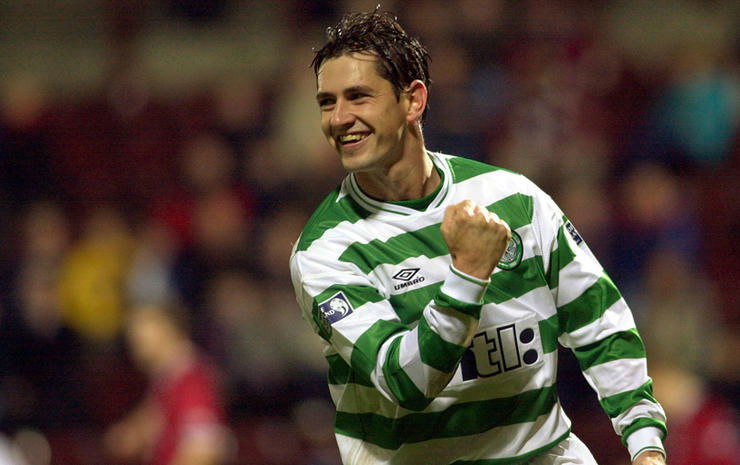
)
(643, 423)
(549, 334)
(399, 383)
(365, 350)
(465, 168)
(443, 300)
(410, 305)
(589, 306)
(515, 209)
(618, 403)
(621, 345)
(512, 284)
(357, 295)
(435, 351)
(328, 215)
(559, 258)
(519, 459)
(457, 420)
(426, 242)
(341, 373)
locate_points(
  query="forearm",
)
(414, 367)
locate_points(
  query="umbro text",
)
(402, 285)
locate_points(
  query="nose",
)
(342, 115)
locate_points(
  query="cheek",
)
(326, 127)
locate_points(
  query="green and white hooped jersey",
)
(430, 366)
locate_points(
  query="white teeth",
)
(351, 138)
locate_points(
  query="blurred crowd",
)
(188, 177)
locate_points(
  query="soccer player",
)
(442, 286)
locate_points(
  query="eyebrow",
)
(348, 90)
(323, 95)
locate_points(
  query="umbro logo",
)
(406, 274)
(408, 277)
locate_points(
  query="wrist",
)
(648, 439)
(462, 292)
(650, 457)
(472, 269)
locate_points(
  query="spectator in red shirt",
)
(704, 425)
(181, 420)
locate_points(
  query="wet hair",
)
(401, 58)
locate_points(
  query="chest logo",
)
(512, 256)
(501, 349)
(407, 277)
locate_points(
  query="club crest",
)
(512, 256)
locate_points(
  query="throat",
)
(398, 185)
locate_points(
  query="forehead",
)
(349, 70)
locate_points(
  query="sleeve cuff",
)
(464, 287)
(644, 439)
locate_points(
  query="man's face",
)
(360, 114)
(147, 334)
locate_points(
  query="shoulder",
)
(337, 208)
(463, 168)
(472, 176)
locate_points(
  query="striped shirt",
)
(428, 365)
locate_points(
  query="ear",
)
(416, 93)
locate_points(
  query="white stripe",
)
(451, 325)
(538, 301)
(371, 228)
(648, 438)
(500, 386)
(349, 329)
(580, 274)
(615, 319)
(617, 376)
(642, 409)
(497, 185)
(316, 283)
(332, 243)
(432, 270)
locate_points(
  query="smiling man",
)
(442, 286)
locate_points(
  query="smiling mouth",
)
(348, 139)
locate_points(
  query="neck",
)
(173, 360)
(410, 177)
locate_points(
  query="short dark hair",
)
(401, 58)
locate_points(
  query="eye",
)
(325, 103)
(357, 96)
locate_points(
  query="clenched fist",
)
(475, 237)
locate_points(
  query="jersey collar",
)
(351, 186)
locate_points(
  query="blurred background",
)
(166, 150)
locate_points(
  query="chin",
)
(353, 163)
